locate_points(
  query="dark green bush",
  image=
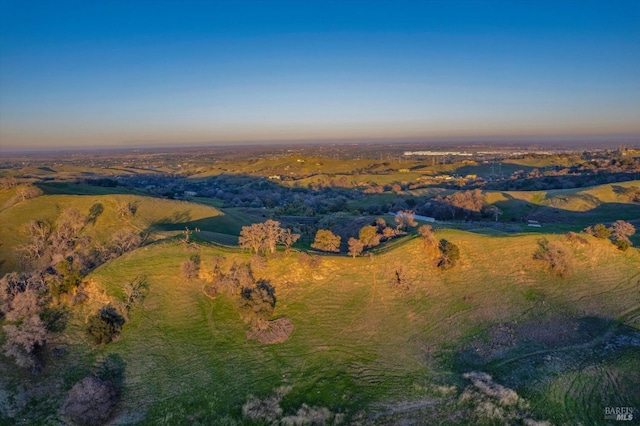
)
(105, 325)
(54, 319)
(622, 245)
(449, 254)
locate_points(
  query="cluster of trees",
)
(255, 299)
(445, 252)
(33, 305)
(619, 233)
(49, 243)
(368, 236)
(459, 205)
(263, 237)
(8, 182)
(33, 302)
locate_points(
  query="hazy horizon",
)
(125, 74)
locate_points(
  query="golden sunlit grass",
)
(356, 340)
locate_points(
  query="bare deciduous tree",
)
(125, 240)
(355, 247)
(263, 237)
(428, 237)
(189, 269)
(8, 182)
(621, 231)
(492, 211)
(135, 291)
(23, 338)
(405, 219)
(126, 209)
(288, 238)
(272, 234)
(38, 232)
(252, 237)
(26, 192)
(67, 230)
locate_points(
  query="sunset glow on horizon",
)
(89, 74)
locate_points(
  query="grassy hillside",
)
(580, 207)
(359, 346)
(152, 215)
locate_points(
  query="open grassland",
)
(359, 346)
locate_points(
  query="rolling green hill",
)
(359, 346)
(152, 215)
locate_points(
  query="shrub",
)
(598, 231)
(555, 256)
(310, 261)
(449, 254)
(573, 237)
(258, 263)
(265, 409)
(210, 290)
(189, 269)
(622, 245)
(54, 319)
(105, 325)
(91, 401)
(69, 278)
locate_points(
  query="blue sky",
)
(191, 72)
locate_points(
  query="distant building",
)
(427, 153)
